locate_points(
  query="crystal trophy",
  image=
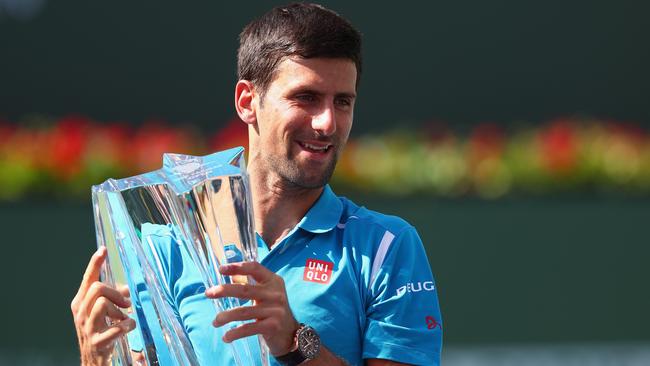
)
(203, 206)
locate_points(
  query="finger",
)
(248, 329)
(243, 313)
(241, 291)
(102, 309)
(98, 289)
(106, 338)
(138, 357)
(91, 274)
(114, 312)
(123, 289)
(253, 269)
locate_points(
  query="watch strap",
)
(292, 358)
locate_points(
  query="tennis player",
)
(336, 283)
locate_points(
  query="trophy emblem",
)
(202, 206)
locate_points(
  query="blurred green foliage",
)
(66, 156)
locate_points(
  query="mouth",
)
(316, 148)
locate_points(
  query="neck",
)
(278, 205)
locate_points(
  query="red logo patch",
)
(318, 271)
(432, 323)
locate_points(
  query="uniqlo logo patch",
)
(318, 271)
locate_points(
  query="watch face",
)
(308, 342)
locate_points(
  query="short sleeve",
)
(403, 315)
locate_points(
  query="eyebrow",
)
(346, 95)
(316, 92)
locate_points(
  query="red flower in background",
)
(559, 147)
(153, 139)
(6, 132)
(68, 140)
(235, 133)
(485, 142)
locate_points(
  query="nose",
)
(325, 122)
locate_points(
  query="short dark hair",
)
(304, 30)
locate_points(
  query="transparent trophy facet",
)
(205, 205)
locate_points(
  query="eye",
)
(306, 98)
(343, 102)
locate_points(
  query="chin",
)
(306, 176)
(309, 183)
(302, 180)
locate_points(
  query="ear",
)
(244, 101)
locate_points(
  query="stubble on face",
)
(288, 169)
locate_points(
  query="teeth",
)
(317, 148)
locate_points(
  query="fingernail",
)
(225, 339)
(211, 292)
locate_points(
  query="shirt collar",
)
(324, 214)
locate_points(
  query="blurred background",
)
(513, 135)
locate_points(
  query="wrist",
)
(306, 346)
(286, 343)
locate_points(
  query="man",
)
(331, 274)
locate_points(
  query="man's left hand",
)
(270, 307)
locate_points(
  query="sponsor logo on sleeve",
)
(415, 287)
(432, 323)
(318, 271)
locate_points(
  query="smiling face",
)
(303, 120)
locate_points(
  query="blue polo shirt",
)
(360, 278)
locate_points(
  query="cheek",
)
(267, 122)
(278, 131)
(345, 125)
(293, 123)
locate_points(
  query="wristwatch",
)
(306, 345)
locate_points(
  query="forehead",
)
(335, 75)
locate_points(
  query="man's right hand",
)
(95, 305)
